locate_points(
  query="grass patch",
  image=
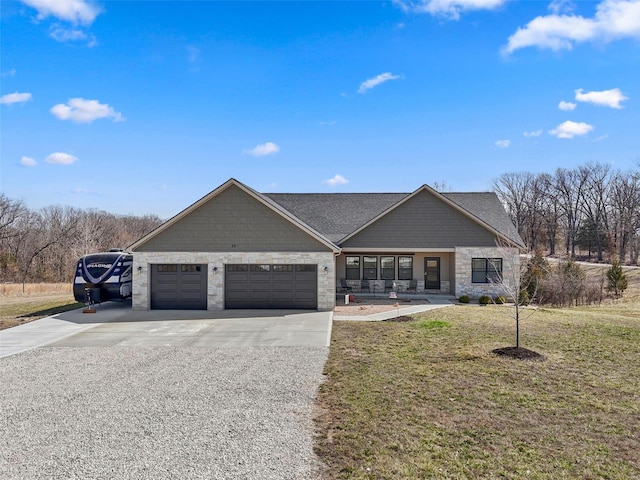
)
(433, 324)
(428, 399)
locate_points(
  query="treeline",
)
(44, 245)
(592, 210)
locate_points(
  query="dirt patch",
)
(370, 306)
(518, 353)
(402, 318)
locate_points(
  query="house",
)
(237, 248)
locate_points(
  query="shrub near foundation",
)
(485, 300)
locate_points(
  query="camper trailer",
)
(105, 276)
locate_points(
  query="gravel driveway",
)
(159, 412)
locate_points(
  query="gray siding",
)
(233, 221)
(423, 221)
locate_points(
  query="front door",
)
(432, 273)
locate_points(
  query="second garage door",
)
(271, 286)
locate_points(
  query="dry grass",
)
(38, 300)
(427, 399)
(30, 289)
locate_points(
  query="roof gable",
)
(234, 217)
(426, 219)
(486, 206)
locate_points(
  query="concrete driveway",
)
(116, 324)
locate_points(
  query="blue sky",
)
(144, 107)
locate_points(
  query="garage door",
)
(178, 287)
(271, 286)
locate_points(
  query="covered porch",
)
(408, 274)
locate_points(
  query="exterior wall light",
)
(139, 269)
(215, 269)
(326, 270)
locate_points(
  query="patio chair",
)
(344, 286)
(413, 286)
(364, 285)
(389, 286)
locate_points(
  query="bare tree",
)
(45, 245)
(569, 185)
(441, 186)
(594, 201)
(508, 283)
(49, 227)
(550, 209)
(10, 213)
(625, 203)
(513, 190)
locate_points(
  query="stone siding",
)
(510, 270)
(215, 280)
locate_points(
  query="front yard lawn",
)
(428, 399)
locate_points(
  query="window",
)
(190, 268)
(486, 270)
(167, 268)
(282, 268)
(353, 268)
(305, 268)
(237, 268)
(387, 268)
(405, 268)
(370, 268)
(260, 268)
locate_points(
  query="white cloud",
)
(614, 19)
(571, 129)
(336, 180)
(534, 133)
(561, 6)
(74, 11)
(606, 98)
(10, 73)
(449, 9)
(263, 149)
(62, 34)
(11, 98)
(377, 80)
(61, 158)
(85, 111)
(28, 162)
(503, 143)
(566, 106)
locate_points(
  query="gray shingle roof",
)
(336, 215)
